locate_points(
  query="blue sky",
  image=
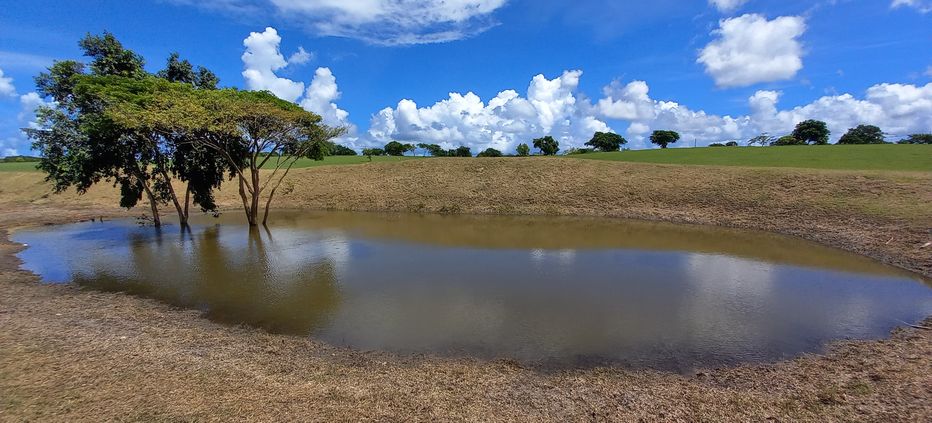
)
(713, 70)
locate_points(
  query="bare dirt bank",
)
(73, 355)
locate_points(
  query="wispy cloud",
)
(381, 22)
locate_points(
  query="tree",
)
(762, 139)
(547, 145)
(395, 148)
(178, 70)
(110, 58)
(787, 140)
(862, 134)
(79, 146)
(664, 138)
(523, 150)
(461, 151)
(812, 132)
(917, 139)
(731, 144)
(607, 141)
(432, 149)
(82, 144)
(490, 152)
(716, 144)
(341, 150)
(369, 152)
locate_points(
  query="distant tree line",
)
(816, 132)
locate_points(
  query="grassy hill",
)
(847, 157)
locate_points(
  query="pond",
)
(546, 291)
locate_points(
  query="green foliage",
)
(762, 140)
(812, 132)
(579, 151)
(178, 70)
(110, 58)
(862, 134)
(490, 152)
(370, 152)
(787, 140)
(917, 139)
(461, 151)
(341, 150)
(432, 149)
(395, 148)
(523, 150)
(731, 144)
(58, 82)
(716, 144)
(547, 145)
(664, 138)
(607, 141)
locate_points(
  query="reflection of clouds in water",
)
(562, 257)
(729, 293)
(295, 248)
(722, 275)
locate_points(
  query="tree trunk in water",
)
(268, 203)
(187, 202)
(182, 214)
(254, 205)
(156, 220)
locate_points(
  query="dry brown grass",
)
(72, 355)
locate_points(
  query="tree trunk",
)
(254, 204)
(156, 220)
(182, 214)
(268, 203)
(187, 202)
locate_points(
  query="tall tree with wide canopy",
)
(664, 138)
(812, 132)
(81, 145)
(259, 136)
(547, 145)
(862, 134)
(607, 141)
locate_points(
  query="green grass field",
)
(847, 157)
(19, 167)
(302, 163)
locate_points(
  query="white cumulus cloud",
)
(6, 85)
(551, 107)
(727, 5)
(261, 59)
(321, 96)
(750, 49)
(632, 103)
(898, 109)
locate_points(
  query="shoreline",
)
(57, 339)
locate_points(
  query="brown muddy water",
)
(545, 291)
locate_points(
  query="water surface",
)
(549, 291)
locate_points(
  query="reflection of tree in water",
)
(233, 280)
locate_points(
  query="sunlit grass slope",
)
(848, 157)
